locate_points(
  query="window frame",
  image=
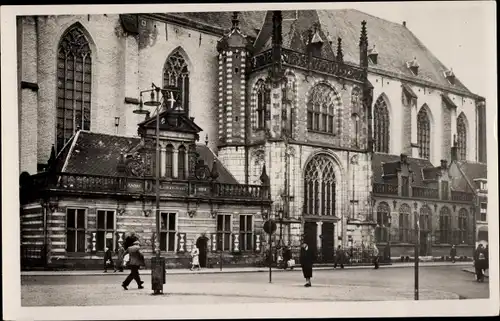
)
(485, 212)
(461, 137)
(243, 234)
(404, 223)
(221, 234)
(381, 126)
(424, 134)
(105, 229)
(321, 114)
(77, 229)
(181, 158)
(165, 246)
(382, 219)
(445, 230)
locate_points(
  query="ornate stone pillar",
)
(163, 160)
(175, 163)
(186, 164)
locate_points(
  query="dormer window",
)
(373, 55)
(450, 76)
(413, 66)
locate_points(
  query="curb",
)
(227, 270)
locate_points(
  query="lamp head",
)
(141, 110)
(153, 102)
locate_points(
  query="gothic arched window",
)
(462, 137)
(425, 219)
(404, 223)
(381, 124)
(181, 165)
(444, 226)
(74, 83)
(319, 186)
(382, 229)
(263, 99)
(462, 226)
(323, 103)
(424, 133)
(176, 75)
(169, 161)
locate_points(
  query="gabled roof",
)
(174, 121)
(473, 170)
(389, 164)
(99, 154)
(395, 43)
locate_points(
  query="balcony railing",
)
(388, 189)
(136, 185)
(461, 196)
(425, 192)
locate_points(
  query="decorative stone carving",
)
(147, 213)
(192, 213)
(121, 211)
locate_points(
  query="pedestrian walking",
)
(453, 253)
(375, 256)
(339, 258)
(306, 261)
(129, 240)
(136, 260)
(108, 259)
(287, 257)
(195, 258)
(120, 253)
(480, 262)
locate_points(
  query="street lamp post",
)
(417, 245)
(158, 268)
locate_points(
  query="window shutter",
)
(94, 242)
(181, 242)
(236, 242)
(257, 243)
(119, 239)
(213, 238)
(153, 241)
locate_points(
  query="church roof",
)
(395, 43)
(470, 171)
(99, 154)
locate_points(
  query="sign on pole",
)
(270, 228)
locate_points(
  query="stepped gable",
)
(99, 154)
(388, 164)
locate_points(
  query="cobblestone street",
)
(446, 282)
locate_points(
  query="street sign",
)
(270, 227)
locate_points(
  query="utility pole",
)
(417, 248)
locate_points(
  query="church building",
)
(340, 126)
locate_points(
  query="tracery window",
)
(444, 226)
(404, 223)
(424, 134)
(169, 161)
(463, 234)
(321, 108)
(74, 83)
(382, 229)
(263, 99)
(381, 124)
(462, 137)
(319, 186)
(176, 74)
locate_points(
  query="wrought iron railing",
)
(461, 196)
(425, 192)
(136, 185)
(382, 188)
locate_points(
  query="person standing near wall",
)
(375, 256)
(306, 261)
(453, 253)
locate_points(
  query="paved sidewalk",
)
(216, 292)
(473, 271)
(239, 269)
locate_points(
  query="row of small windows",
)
(445, 233)
(74, 83)
(106, 231)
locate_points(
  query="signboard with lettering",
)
(135, 185)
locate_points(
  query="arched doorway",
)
(201, 244)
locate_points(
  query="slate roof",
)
(395, 43)
(471, 171)
(416, 165)
(99, 154)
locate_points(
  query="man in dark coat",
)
(129, 240)
(339, 257)
(108, 259)
(480, 262)
(135, 262)
(287, 256)
(306, 261)
(453, 253)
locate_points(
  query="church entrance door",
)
(327, 242)
(310, 236)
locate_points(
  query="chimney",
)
(450, 75)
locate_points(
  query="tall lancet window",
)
(381, 124)
(462, 137)
(324, 103)
(424, 134)
(74, 83)
(176, 74)
(319, 186)
(263, 99)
